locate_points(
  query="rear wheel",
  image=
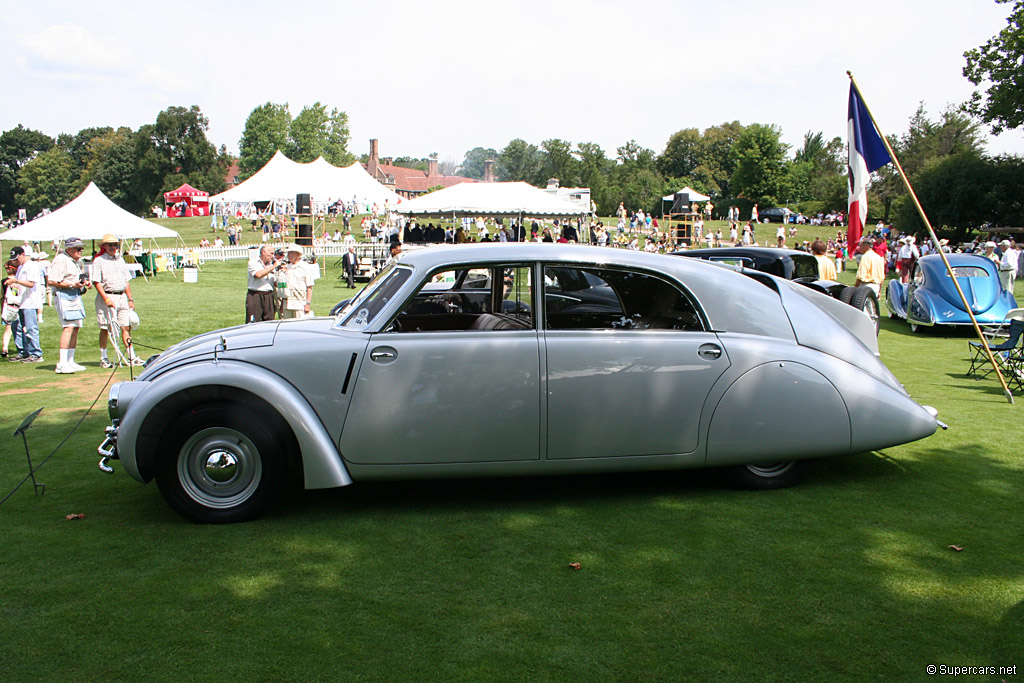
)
(222, 463)
(767, 476)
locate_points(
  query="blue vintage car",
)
(930, 298)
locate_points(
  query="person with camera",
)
(263, 269)
(114, 302)
(69, 283)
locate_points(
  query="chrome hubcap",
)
(219, 467)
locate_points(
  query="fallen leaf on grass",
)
(955, 547)
(80, 515)
(575, 565)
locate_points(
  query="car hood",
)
(231, 338)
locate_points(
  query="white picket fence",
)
(244, 252)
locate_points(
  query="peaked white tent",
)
(282, 178)
(694, 195)
(89, 216)
(490, 199)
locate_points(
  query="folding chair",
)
(1001, 330)
(980, 365)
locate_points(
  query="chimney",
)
(386, 161)
(431, 168)
(489, 171)
(372, 162)
(552, 183)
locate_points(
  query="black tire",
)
(846, 294)
(864, 299)
(221, 464)
(768, 476)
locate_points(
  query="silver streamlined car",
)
(514, 359)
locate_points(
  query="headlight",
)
(112, 401)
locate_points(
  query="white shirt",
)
(1010, 259)
(33, 296)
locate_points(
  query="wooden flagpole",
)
(935, 241)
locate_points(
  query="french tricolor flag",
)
(867, 154)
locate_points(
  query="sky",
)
(448, 76)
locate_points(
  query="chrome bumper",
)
(108, 449)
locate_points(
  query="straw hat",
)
(110, 238)
(289, 248)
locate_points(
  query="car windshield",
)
(361, 311)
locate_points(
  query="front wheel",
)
(864, 299)
(220, 465)
(767, 476)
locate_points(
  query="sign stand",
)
(25, 424)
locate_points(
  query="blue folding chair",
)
(1007, 351)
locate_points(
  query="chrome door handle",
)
(709, 352)
(383, 355)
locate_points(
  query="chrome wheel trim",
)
(871, 309)
(771, 469)
(219, 467)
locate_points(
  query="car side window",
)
(491, 298)
(578, 298)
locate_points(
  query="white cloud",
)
(72, 48)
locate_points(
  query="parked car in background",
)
(511, 360)
(930, 297)
(790, 264)
(773, 214)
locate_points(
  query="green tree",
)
(684, 153)
(315, 133)
(519, 161)
(473, 163)
(998, 62)
(266, 131)
(760, 173)
(594, 170)
(17, 146)
(111, 165)
(558, 162)
(46, 181)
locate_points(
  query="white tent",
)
(88, 216)
(490, 199)
(282, 178)
(694, 195)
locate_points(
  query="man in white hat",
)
(1008, 265)
(114, 298)
(70, 284)
(990, 252)
(297, 299)
(906, 257)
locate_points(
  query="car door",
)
(441, 386)
(626, 377)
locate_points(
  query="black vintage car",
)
(790, 264)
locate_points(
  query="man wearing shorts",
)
(66, 278)
(114, 299)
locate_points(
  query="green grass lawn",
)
(848, 576)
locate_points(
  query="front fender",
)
(321, 463)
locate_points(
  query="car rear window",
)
(804, 266)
